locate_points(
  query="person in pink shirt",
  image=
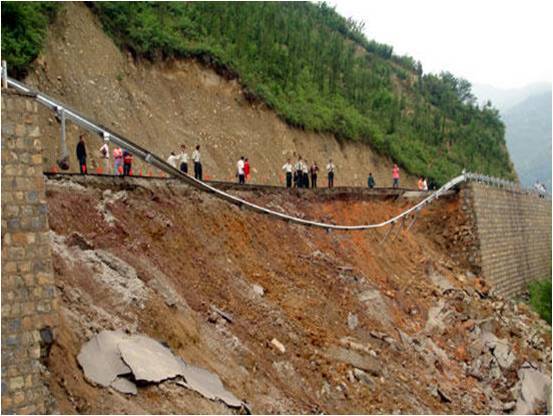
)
(395, 176)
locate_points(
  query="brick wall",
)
(29, 305)
(513, 233)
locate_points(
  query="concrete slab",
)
(149, 360)
(124, 385)
(100, 358)
(208, 385)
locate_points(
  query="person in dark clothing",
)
(127, 163)
(370, 181)
(81, 154)
(314, 170)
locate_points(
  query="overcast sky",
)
(505, 44)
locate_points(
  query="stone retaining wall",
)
(29, 305)
(513, 232)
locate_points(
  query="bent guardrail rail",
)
(67, 113)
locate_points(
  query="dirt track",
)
(137, 247)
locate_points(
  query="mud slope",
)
(366, 327)
(163, 105)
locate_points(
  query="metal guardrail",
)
(67, 113)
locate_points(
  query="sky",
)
(505, 44)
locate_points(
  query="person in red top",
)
(247, 169)
(127, 163)
(395, 176)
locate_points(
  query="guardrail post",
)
(64, 152)
(4, 74)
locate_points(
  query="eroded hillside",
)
(163, 105)
(367, 327)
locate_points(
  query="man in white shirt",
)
(172, 160)
(183, 156)
(330, 169)
(196, 157)
(288, 168)
(240, 170)
(104, 153)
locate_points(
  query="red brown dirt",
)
(211, 253)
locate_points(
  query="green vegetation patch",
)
(540, 298)
(24, 28)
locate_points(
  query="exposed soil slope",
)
(163, 105)
(367, 327)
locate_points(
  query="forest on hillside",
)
(315, 68)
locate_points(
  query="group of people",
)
(298, 175)
(122, 158)
(180, 161)
(422, 184)
(243, 170)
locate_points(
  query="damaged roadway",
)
(343, 324)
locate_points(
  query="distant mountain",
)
(504, 99)
(528, 137)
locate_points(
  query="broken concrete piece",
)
(278, 345)
(223, 314)
(352, 321)
(534, 389)
(436, 317)
(100, 358)
(363, 377)
(208, 385)
(363, 362)
(258, 290)
(124, 385)
(149, 360)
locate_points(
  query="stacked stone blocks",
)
(513, 237)
(29, 304)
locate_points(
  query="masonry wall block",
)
(29, 303)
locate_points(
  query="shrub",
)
(540, 298)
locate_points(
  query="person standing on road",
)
(330, 171)
(196, 157)
(420, 184)
(305, 174)
(288, 168)
(299, 173)
(240, 170)
(425, 185)
(314, 171)
(118, 161)
(173, 159)
(127, 163)
(104, 154)
(183, 158)
(81, 154)
(370, 181)
(395, 176)
(246, 169)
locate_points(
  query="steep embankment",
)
(163, 105)
(366, 327)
